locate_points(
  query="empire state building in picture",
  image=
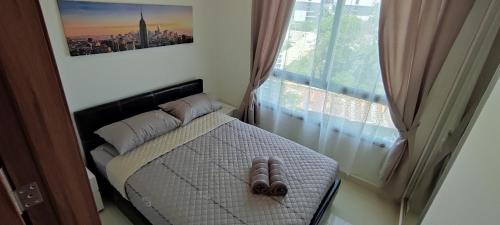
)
(143, 33)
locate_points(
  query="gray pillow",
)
(191, 107)
(129, 133)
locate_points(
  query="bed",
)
(198, 173)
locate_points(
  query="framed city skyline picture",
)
(96, 27)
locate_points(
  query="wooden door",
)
(37, 138)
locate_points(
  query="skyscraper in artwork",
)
(143, 32)
(158, 31)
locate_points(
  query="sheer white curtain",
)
(326, 90)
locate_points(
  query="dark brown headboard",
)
(90, 119)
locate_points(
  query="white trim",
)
(403, 209)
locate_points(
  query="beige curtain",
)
(269, 24)
(415, 37)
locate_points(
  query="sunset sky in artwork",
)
(101, 19)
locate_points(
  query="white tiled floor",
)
(358, 205)
(354, 205)
(111, 215)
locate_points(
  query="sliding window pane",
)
(354, 60)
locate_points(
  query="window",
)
(328, 65)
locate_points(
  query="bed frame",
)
(91, 119)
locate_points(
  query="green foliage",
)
(355, 55)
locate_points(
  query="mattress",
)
(205, 180)
(102, 155)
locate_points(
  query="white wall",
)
(470, 194)
(95, 79)
(231, 65)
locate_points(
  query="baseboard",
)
(362, 182)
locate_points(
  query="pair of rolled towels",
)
(267, 177)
